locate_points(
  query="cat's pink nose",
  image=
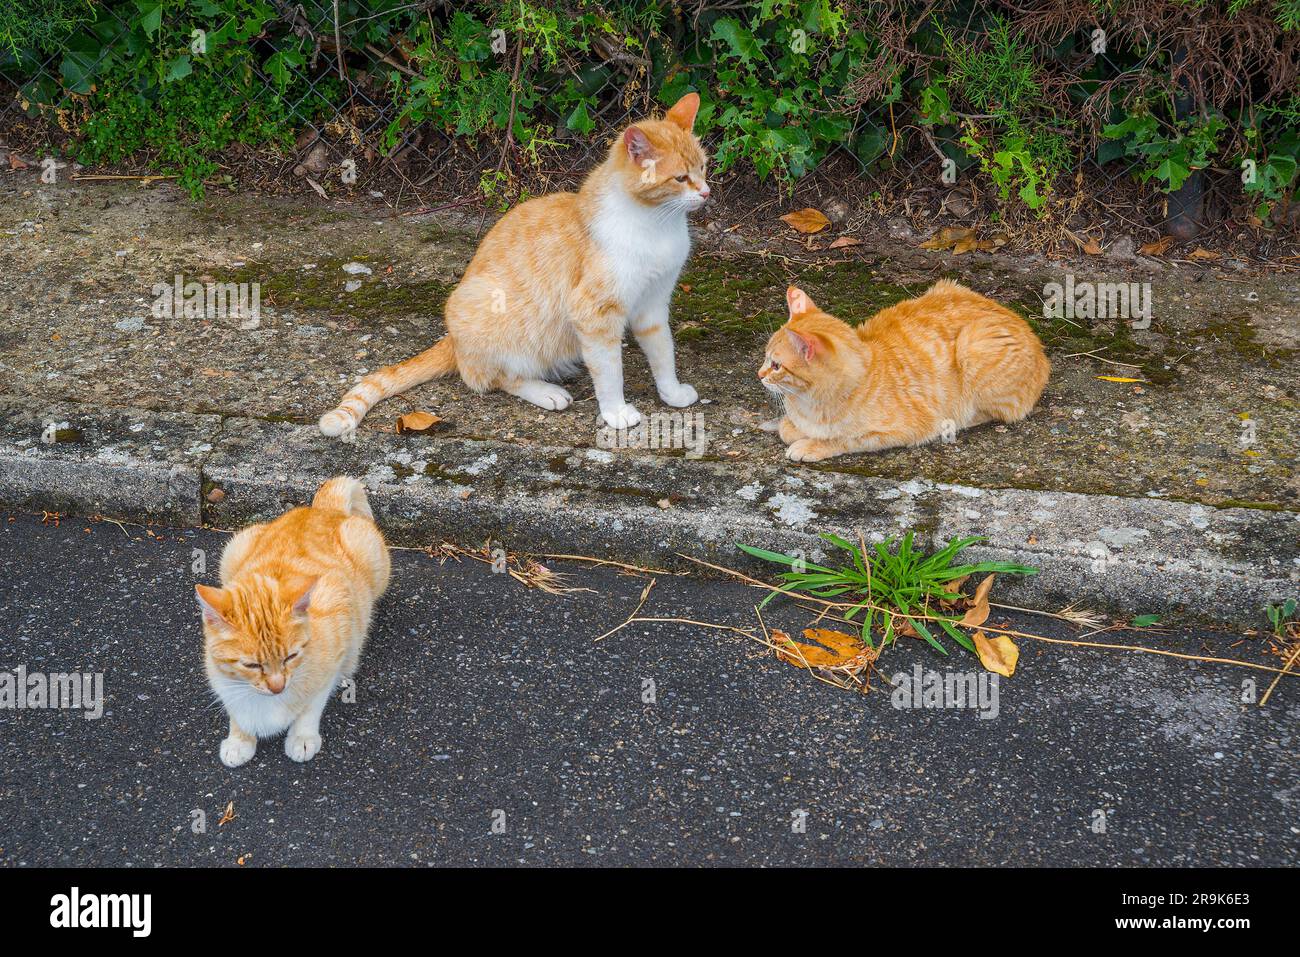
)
(704, 191)
(275, 683)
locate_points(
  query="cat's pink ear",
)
(304, 600)
(683, 111)
(807, 343)
(638, 146)
(213, 602)
(798, 301)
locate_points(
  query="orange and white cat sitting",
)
(946, 360)
(290, 618)
(562, 277)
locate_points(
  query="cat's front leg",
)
(605, 363)
(788, 431)
(656, 341)
(813, 450)
(303, 741)
(238, 747)
(600, 322)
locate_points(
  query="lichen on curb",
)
(1129, 554)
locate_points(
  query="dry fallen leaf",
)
(229, 814)
(1157, 248)
(948, 237)
(845, 241)
(844, 650)
(954, 587)
(1086, 243)
(1200, 253)
(978, 612)
(998, 654)
(15, 162)
(1118, 378)
(962, 239)
(807, 220)
(416, 422)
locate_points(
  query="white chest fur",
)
(645, 248)
(259, 714)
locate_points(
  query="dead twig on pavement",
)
(645, 593)
(1285, 670)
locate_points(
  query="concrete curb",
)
(1126, 554)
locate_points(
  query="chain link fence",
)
(331, 112)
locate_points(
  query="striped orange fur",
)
(289, 620)
(560, 279)
(914, 372)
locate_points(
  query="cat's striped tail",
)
(386, 382)
(343, 494)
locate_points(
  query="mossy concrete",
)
(1211, 423)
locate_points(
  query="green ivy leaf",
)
(1110, 150)
(744, 46)
(1172, 172)
(78, 69)
(1029, 196)
(277, 68)
(151, 15)
(580, 120)
(871, 144)
(178, 68)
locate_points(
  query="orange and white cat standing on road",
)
(561, 278)
(946, 360)
(290, 618)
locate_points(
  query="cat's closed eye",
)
(290, 657)
(255, 665)
(683, 178)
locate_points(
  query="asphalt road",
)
(483, 703)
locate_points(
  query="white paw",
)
(679, 395)
(771, 425)
(237, 751)
(549, 396)
(806, 450)
(621, 416)
(302, 747)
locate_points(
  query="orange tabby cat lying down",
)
(562, 277)
(946, 360)
(290, 617)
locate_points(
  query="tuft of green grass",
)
(1279, 615)
(885, 584)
